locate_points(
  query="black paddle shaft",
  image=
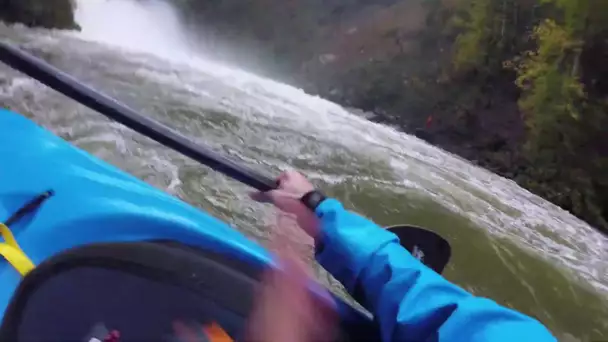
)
(72, 88)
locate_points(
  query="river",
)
(508, 244)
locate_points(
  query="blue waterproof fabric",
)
(410, 301)
(93, 202)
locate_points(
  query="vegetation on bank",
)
(39, 13)
(517, 86)
(523, 92)
(555, 52)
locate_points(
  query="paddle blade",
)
(427, 246)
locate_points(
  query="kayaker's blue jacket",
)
(410, 301)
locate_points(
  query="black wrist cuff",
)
(312, 199)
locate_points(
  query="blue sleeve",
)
(410, 301)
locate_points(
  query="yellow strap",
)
(11, 251)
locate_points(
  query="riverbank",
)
(517, 87)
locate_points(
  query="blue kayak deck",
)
(93, 202)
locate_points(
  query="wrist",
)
(313, 199)
(326, 213)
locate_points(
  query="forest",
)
(548, 57)
(516, 86)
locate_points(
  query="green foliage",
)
(553, 97)
(574, 13)
(474, 44)
(489, 32)
(564, 121)
(544, 48)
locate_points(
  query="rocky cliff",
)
(40, 13)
